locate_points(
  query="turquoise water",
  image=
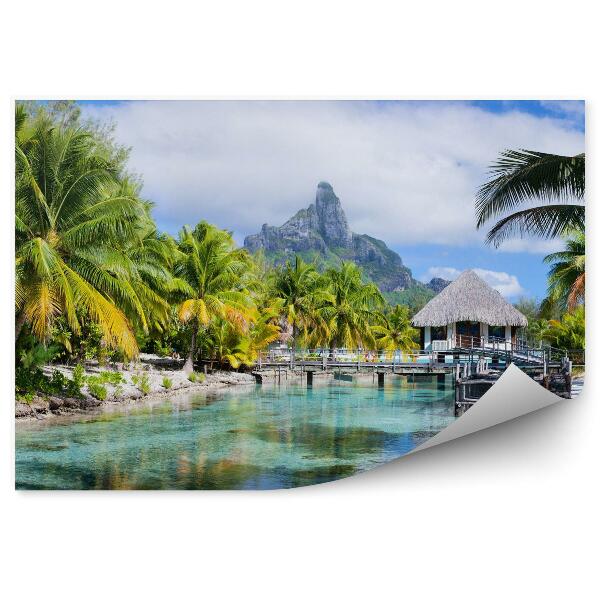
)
(255, 437)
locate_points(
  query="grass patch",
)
(97, 390)
(112, 377)
(143, 383)
(26, 398)
(196, 377)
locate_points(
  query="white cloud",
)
(532, 246)
(405, 172)
(571, 108)
(449, 273)
(508, 285)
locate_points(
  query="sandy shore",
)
(45, 406)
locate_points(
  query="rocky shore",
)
(128, 391)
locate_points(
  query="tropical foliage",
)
(520, 178)
(569, 331)
(348, 308)
(566, 279)
(396, 331)
(297, 287)
(217, 276)
(539, 194)
(83, 238)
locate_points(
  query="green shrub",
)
(144, 384)
(112, 377)
(72, 389)
(31, 381)
(162, 351)
(97, 390)
(57, 381)
(196, 377)
(37, 356)
(79, 375)
(118, 392)
(27, 397)
(167, 383)
(135, 379)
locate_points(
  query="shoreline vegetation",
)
(97, 283)
(150, 379)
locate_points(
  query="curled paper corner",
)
(513, 395)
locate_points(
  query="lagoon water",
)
(250, 437)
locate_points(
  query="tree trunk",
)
(188, 366)
(19, 322)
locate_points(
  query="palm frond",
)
(547, 222)
(520, 176)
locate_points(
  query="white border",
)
(507, 513)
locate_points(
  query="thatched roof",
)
(468, 298)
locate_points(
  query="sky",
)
(406, 172)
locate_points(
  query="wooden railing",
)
(508, 350)
(351, 358)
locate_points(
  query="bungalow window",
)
(497, 331)
(469, 328)
(438, 333)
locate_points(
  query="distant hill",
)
(437, 284)
(321, 232)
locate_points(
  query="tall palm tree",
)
(349, 307)
(520, 177)
(297, 287)
(566, 279)
(217, 274)
(396, 331)
(72, 209)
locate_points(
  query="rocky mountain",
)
(321, 232)
(437, 284)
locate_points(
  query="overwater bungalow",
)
(468, 313)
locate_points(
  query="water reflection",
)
(257, 438)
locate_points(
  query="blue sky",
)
(405, 171)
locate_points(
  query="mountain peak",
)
(333, 224)
(321, 232)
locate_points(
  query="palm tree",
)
(519, 177)
(147, 265)
(348, 307)
(566, 279)
(297, 287)
(217, 275)
(536, 330)
(227, 344)
(72, 209)
(396, 331)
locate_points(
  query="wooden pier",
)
(474, 367)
